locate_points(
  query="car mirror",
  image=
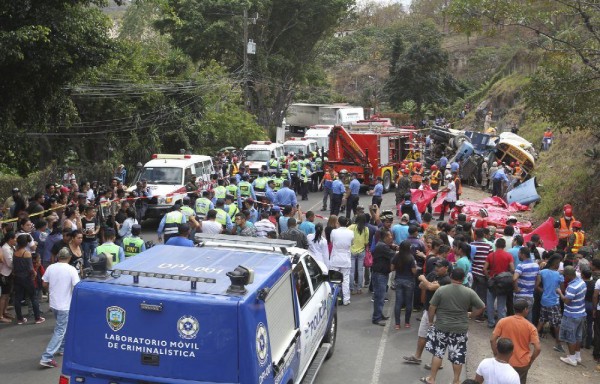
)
(336, 277)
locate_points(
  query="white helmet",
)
(484, 212)
(460, 203)
(495, 164)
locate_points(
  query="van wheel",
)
(387, 181)
(331, 335)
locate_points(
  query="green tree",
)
(45, 45)
(419, 70)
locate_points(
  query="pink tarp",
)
(547, 234)
(422, 198)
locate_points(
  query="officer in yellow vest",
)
(222, 216)
(169, 223)
(304, 178)
(260, 184)
(245, 189)
(278, 182)
(294, 170)
(274, 165)
(203, 205)
(230, 206)
(113, 251)
(220, 191)
(133, 245)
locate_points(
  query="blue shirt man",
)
(454, 167)
(500, 175)
(527, 272)
(269, 192)
(180, 241)
(400, 231)
(337, 187)
(443, 162)
(514, 251)
(551, 280)
(575, 295)
(285, 196)
(354, 187)
(378, 189)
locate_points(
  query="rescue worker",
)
(457, 210)
(231, 189)
(417, 175)
(402, 188)
(565, 227)
(481, 221)
(484, 175)
(203, 205)
(410, 209)
(547, 140)
(294, 170)
(285, 174)
(518, 170)
(251, 210)
(231, 206)
(337, 192)
(326, 184)
(435, 178)
(113, 251)
(458, 183)
(353, 197)
(222, 216)
(169, 222)
(577, 239)
(304, 179)
(245, 189)
(491, 172)
(274, 165)
(318, 173)
(233, 167)
(133, 245)
(499, 179)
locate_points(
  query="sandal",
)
(411, 360)
(424, 380)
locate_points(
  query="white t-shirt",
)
(495, 372)
(61, 278)
(341, 238)
(597, 288)
(451, 196)
(211, 227)
(319, 250)
(7, 266)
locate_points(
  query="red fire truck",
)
(369, 150)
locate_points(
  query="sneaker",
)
(346, 303)
(559, 348)
(40, 320)
(49, 364)
(386, 300)
(567, 360)
(21, 322)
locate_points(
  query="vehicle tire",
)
(387, 181)
(459, 140)
(331, 335)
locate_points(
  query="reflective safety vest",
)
(579, 241)
(565, 230)
(245, 189)
(294, 166)
(132, 246)
(278, 183)
(260, 184)
(187, 211)
(234, 169)
(109, 249)
(417, 176)
(285, 173)
(232, 190)
(435, 177)
(172, 221)
(458, 184)
(304, 174)
(319, 163)
(221, 216)
(202, 207)
(273, 164)
(233, 209)
(220, 192)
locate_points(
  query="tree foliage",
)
(419, 70)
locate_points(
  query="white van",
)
(300, 144)
(258, 153)
(319, 133)
(166, 176)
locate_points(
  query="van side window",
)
(301, 284)
(314, 272)
(188, 174)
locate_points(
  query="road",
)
(365, 353)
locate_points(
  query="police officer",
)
(189, 212)
(115, 253)
(337, 192)
(277, 182)
(260, 184)
(168, 224)
(377, 193)
(274, 166)
(304, 179)
(220, 191)
(132, 245)
(245, 189)
(294, 170)
(203, 205)
(222, 216)
(231, 206)
(352, 201)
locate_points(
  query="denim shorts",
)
(571, 330)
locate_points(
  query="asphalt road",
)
(365, 353)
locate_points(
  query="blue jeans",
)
(88, 250)
(404, 296)
(358, 260)
(57, 342)
(589, 326)
(379, 281)
(501, 307)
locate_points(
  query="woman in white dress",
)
(317, 245)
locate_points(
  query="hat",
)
(387, 215)
(275, 208)
(405, 218)
(442, 263)
(229, 197)
(511, 218)
(136, 226)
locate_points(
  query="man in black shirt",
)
(430, 284)
(66, 239)
(382, 257)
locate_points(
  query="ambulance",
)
(258, 153)
(166, 176)
(232, 310)
(299, 145)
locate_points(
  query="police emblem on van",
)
(262, 343)
(115, 317)
(188, 327)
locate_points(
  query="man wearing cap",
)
(59, 279)
(182, 238)
(377, 193)
(400, 231)
(352, 199)
(133, 245)
(285, 196)
(203, 205)
(245, 189)
(168, 224)
(116, 253)
(451, 197)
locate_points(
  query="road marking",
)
(381, 349)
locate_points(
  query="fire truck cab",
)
(369, 150)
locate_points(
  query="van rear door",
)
(136, 334)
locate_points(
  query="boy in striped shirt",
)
(524, 279)
(571, 326)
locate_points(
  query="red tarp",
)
(422, 198)
(547, 234)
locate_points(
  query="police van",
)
(231, 310)
(166, 176)
(258, 153)
(299, 145)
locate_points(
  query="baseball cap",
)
(442, 263)
(405, 218)
(387, 215)
(275, 208)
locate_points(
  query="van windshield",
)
(162, 175)
(257, 155)
(322, 142)
(296, 148)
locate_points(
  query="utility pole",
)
(245, 70)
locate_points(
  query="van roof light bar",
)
(226, 240)
(194, 280)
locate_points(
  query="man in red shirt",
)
(498, 262)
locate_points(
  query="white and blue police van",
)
(232, 310)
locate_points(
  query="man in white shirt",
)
(340, 259)
(264, 225)
(59, 279)
(496, 370)
(210, 225)
(450, 198)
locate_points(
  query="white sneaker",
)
(567, 360)
(578, 359)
